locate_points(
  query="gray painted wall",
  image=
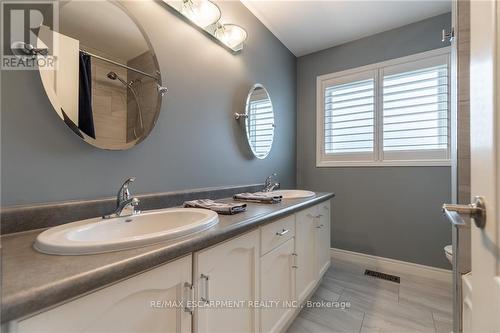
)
(196, 142)
(391, 212)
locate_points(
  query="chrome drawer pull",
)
(294, 265)
(205, 298)
(188, 287)
(285, 231)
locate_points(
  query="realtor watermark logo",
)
(28, 41)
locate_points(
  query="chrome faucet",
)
(270, 185)
(125, 204)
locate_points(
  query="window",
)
(391, 113)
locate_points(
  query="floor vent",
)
(383, 276)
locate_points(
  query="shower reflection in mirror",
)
(134, 87)
(107, 86)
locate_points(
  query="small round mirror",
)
(259, 121)
(106, 86)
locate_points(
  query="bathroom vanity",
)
(249, 273)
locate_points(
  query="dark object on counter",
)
(259, 197)
(218, 207)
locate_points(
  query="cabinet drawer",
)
(276, 233)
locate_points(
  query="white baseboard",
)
(391, 265)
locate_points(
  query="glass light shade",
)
(201, 12)
(231, 34)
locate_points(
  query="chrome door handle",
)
(285, 231)
(475, 210)
(447, 36)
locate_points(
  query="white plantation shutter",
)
(392, 113)
(349, 117)
(416, 112)
(260, 125)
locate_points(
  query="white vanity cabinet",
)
(277, 278)
(227, 272)
(323, 237)
(312, 246)
(277, 287)
(136, 305)
(306, 248)
(250, 283)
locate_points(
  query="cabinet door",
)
(227, 272)
(305, 248)
(323, 238)
(277, 283)
(148, 302)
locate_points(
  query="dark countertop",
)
(32, 281)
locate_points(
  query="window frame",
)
(355, 76)
(403, 158)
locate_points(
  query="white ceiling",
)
(309, 26)
(102, 27)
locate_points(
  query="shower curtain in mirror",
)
(85, 117)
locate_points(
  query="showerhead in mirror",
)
(113, 76)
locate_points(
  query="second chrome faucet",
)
(271, 185)
(126, 205)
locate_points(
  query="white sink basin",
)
(294, 194)
(97, 235)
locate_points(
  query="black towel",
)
(85, 117)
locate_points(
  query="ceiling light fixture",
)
(231, 34)
(201, 12)
(206, 15)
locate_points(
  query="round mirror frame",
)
(247, 116)
(94, 142)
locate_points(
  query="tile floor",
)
(415, 305)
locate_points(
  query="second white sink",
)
(97, 235)
(294, 194)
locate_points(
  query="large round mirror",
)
(259, 121)
(106, 86)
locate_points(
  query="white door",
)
(277, 283)
(305, 248)
(485, 165)
(149, 302)
(323, 238)
(225, 273)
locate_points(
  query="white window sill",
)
(408, 163)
